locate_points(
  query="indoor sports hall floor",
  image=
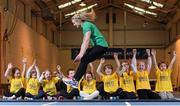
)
(175, 102)
(93, 103)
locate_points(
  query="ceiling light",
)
(68, 4)
(152, 7)
(81, 10)
(154, 3)
(82, 4)
(140, 10)
(158, 4)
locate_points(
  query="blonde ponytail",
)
(90, 16)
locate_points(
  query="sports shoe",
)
(5, 98)
(27, 98)
(71, 82)
(19, 98)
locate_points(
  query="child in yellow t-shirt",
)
(32, 82)
(142, 71)
(57, 74)
(110, 87)
(66, 91)
(49, 84)
(163, 75)
(88, 85)
(126, 81)
(16, 80)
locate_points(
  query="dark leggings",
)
(117, 93)
(19, 93)
(147, 94)
(74, 93)
(127, 95)
(107, 95)
(40, 95)
(60, 85)
(91, 55)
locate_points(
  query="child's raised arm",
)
(29, 70)
(60, 72)
(149, 60)
(153, 52)
(24, 61)
(117, 62)
(92, 69)
(123, 69)
(6, 74)
(41, 77)
(37, 70)
(100, 66)
(173, 60)
(134, 61)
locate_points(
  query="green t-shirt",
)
(96, 36)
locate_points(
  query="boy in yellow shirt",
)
(163, 75)
(67, 91)
(142, 77)
(16, 80)
(110, 86)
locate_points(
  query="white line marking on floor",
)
(127, 103)
(51, 103)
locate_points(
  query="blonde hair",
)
(90, 16)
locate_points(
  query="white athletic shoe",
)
(71, 82)
(19, 98)
(11, 98)
(26, 98)
(5, 98)
(87, 98)
(49, 98)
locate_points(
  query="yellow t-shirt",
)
(88, 87)
(69, 88)
(110, 82)
(127, 82)
(142, 80)
(163, 82)
(49, 86)
(16, 84)
(33, 86)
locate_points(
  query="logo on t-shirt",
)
(163, 78)
(109, 83)
(141, 79)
